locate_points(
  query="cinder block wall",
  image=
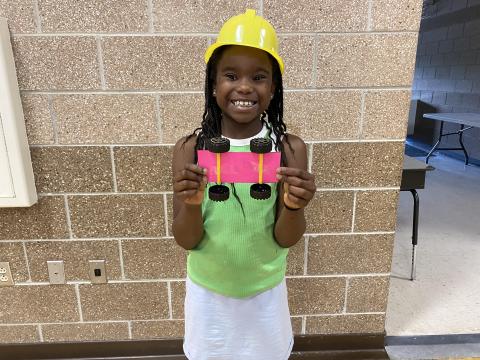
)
(108, 86)
(447, 71)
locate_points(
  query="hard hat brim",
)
(215, 46)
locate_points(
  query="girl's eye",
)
(230, 76)
(259, 77)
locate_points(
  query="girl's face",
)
(243, 85)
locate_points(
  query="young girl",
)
(236, 297)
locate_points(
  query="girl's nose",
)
(245, 86)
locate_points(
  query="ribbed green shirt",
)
(238, 256)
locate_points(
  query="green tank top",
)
(238, 256)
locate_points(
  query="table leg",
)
(416, 203)
(460, 139)
(436, 144)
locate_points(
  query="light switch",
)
(56, 272)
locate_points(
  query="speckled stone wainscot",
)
(107, 89)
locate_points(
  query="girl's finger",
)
(186, 194)
(288, 171)
(308, 185)
(186, 174)
(296, 181)
(186, 185)
(293, 202)
(196, 169)
(299, 193)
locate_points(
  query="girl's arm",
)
(290, 225)
(188, 186)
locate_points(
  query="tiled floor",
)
(443, 352)
(445, 297)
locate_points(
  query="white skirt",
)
(224, 328)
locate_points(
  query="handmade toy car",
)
(257, 166)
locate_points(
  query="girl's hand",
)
(299, 186)
(189, 184)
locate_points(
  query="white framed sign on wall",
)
(17, 184)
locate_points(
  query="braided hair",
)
(212, 116)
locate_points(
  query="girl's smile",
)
(243, 104)
(243, 89)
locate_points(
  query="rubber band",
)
(285, 185)
(289, 208)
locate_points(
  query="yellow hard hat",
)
(248, 29)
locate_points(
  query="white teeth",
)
(243, 103)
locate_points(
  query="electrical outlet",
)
(97, 271)
(6, 278)
(56, 272)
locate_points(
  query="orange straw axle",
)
(260, 168)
